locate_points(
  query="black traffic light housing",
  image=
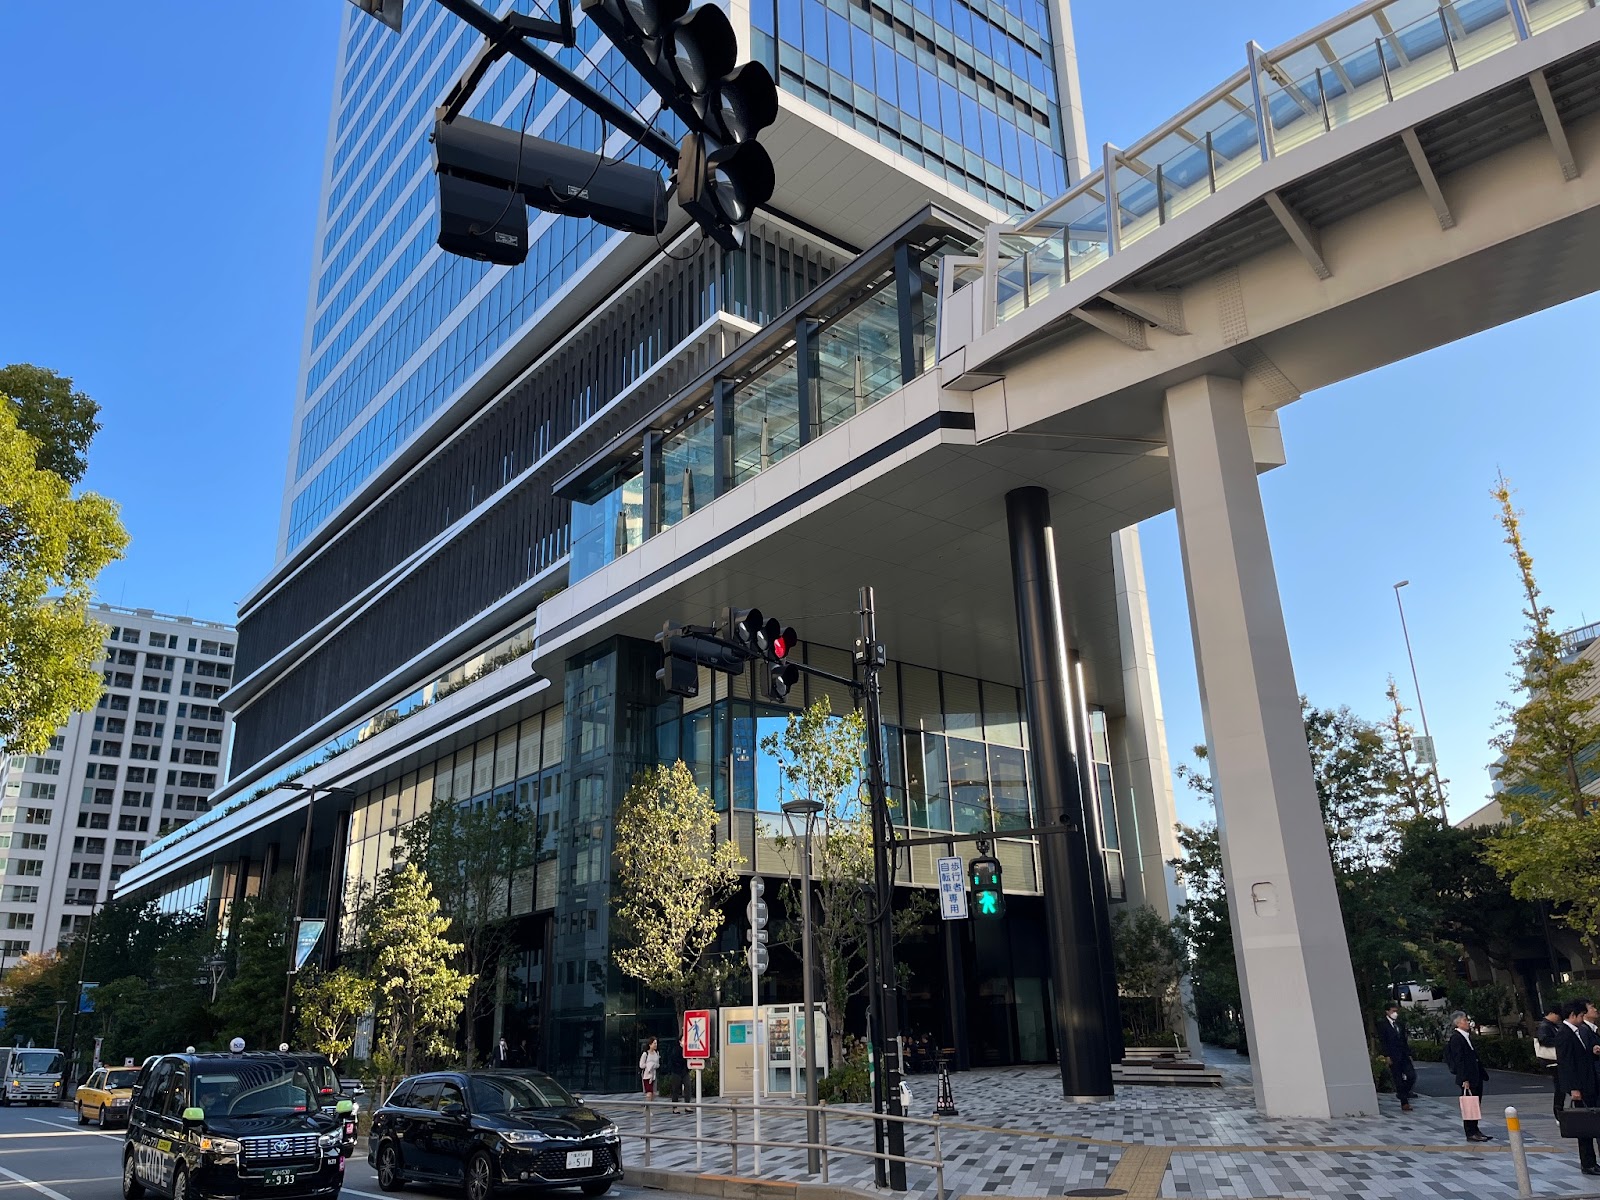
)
(487, 173)
(988, 900)
(690, 58)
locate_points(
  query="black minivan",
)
(491, 1130)
(234, 1125)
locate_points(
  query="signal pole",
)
(885, 992)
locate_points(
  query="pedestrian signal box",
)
(988, 899)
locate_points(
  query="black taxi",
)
(231, 1125)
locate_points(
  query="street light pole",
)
(55, 1038)
(1416, 683)
(809, 810)
(77, 1000)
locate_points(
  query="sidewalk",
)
(1014, 1137)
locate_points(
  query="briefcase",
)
(1580, 1122)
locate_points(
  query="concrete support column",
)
(1307, 1046)
(1145, 767)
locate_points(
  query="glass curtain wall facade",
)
(957, 759)
(965, 88)
(398, 326)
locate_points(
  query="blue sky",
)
(158, 214)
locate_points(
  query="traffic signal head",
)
(783, 676)
(479, 220)
(777, 640)
(390, 12)
(690, 58)
(742, 627)
(988, 897)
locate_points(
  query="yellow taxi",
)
(105, 1096)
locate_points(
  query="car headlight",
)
(523, 1137)
(608, 1132)
(331, 1141)
(221, 1145)
(120, 1102)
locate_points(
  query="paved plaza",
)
(1015, 1137)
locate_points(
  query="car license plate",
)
(579, 1158)
(278, 1178)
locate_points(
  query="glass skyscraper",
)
(965, 90)
(475, 446)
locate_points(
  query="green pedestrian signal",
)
(986, 887)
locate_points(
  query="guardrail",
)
(1354, 64)
(755, 1143)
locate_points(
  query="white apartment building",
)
(141, 763)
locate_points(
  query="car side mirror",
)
(577, 1099)
(344, 1108)
(453, 1109)
(193, 1116)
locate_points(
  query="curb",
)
(738, 1187)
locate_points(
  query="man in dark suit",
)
(1461, 1056)
(1575, 1073)
(1397, 1051)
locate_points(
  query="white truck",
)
(32, 1075)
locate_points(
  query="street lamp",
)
(61, 1007)
(1438, 789)
(808, 809)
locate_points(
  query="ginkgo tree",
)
(671, 879)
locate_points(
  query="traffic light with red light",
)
(988, 900)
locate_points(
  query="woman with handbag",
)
(1462, 1058)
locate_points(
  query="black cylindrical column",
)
(1075, 970)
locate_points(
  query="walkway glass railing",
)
(1332, 75)
(844, 353)
(508, 649)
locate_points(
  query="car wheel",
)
(390, 1177)
(132, 1189)
(102, 1117)
(82, 1120)
(480, 1178)
(598, 1187)
(180, 1185)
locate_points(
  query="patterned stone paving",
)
(1014, 1137)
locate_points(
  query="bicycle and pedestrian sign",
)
(952, 890)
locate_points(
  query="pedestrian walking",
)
(1544, 1048)
(1461, 1056)
(502, 1053)
(1396, 1042)
(1575, 1068)
(649, 1064)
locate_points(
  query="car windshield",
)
(517, 1093)
(36, 1062)
(244, 1088)
(122, 1079)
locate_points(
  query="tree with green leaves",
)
(250, 1004)
(330, 1004)
(820, 758)
(671, 877)
(1152, 956)
(419, 991)
(52, 546)
(1550, 847)
(59, 419)
(470, 854)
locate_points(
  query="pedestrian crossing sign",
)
(697, 1033)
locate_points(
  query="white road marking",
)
(61, 1132)
(38, 1187)
(348, 1190)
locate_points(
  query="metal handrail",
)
(734, 1142)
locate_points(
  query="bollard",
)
(733, 1138)
(1519, 1153)
(938, 1152)
(822, 1136)
(647, 1135)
